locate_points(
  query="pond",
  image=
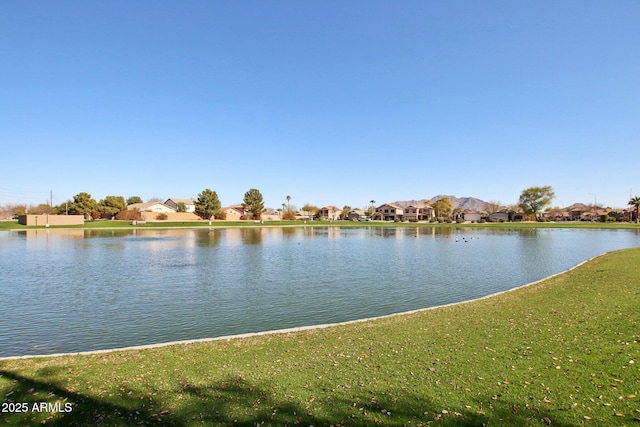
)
(81, 290)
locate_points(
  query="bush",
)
(162, 216)
(289, 216)
(129, 215)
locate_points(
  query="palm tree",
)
(288, 200)
(635, 201)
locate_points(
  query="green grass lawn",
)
(562, 352)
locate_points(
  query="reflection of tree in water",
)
(208, 238)
(291, 232)
(252, 236)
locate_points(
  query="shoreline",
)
(223, 224)
(294, 329)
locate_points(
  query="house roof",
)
(420, 206)
(390, 205)
(185, 201)
(147, 205)
(237, 208)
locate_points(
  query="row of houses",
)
(232, 213)
(171, 207)
(384, 212)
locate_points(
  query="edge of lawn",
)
(562, 351)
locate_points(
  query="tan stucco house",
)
(330, 213)
(151, 207)
(418, 213)
(388, 212)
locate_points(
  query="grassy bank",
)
(564, 352)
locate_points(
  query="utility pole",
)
(50, 207)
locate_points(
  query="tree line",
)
(532, 202)
(207, 206)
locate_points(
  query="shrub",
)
(289, 216)
(129, 215)
(162, 216)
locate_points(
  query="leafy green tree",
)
(83, 204)
(181, 207)
(534, 199)
(442, 208)
(253, 203)
(208, 204)
(635, 201)
(62, 208)
(134, 199)
(111, 205)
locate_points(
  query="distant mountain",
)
(465, 203)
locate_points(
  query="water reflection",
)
(131, 287)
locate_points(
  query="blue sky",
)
(330, 102)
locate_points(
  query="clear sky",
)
(330, 102)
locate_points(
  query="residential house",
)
(388, 212)
(189, 204)
(151, 207)
(234, 213)
(577, 214)
(499, 217)
(330, 213)
(418, 213)
(471, 216)
(306, 215)
(595, 214)
(356, 214)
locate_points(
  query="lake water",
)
(79, 290)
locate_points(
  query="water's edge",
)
(294, 329)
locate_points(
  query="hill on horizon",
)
(465, 203)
